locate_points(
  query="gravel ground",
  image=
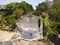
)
(22, 42)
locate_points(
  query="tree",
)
(11, 6)
(23, 5)
(54, 11)
(47, 28)
(41, 8)
(18, 13)
(26, 7)
(54, 15)
(11, 20)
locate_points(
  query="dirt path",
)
(22, 42)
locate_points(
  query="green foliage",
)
(11, 6)
(14, 11)
(26, 7)
(42, 7)
(18, 13)
(55, 26)
(23, 5)
(2, 19)
(10, 19)
(54, 11)
(43, 16)
(47, 28)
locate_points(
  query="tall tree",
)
(55, 11)
(23, 5)
(11, 5)
(26, 7)
(42, 7)
(18, 13)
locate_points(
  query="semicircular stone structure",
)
(30, 35)
(29, 25)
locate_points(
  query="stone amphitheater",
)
(26, 22)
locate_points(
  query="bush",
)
(11, 20)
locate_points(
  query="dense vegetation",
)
(13, 12)
(49, 12)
